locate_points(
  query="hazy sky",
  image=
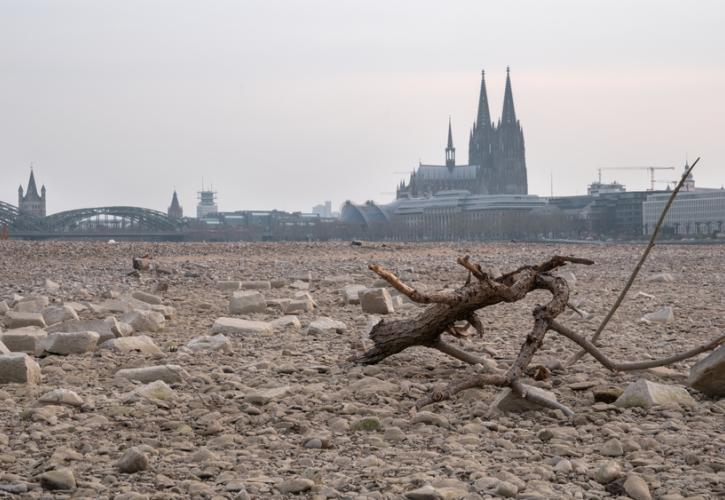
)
(284, 104)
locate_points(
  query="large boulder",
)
(65, 343)
(247, 302)
(57, 314)
(171, 374)
(26, 339)
(236, 326)
(644, 393)
(18, 368)
(15, 319)
(376, 301)
(125, 345)
(708, 374)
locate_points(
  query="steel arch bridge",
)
(105, 219)
(14, 220)
(99, 222)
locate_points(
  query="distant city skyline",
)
(283, 105)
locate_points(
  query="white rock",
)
(61, 397)
(3, 348)
(51, 285)
(322, 326)
(287, 323)
(376, 301)
(209, 343)
(256, 285)
(171, 374)
(25, 339)
(145, 321)
(15, 319)
(708, 374)
(297, 306)
(65, 343)
(149, 298)
(660, 278)
(53, 315)
(608, 472)
(125, 345)
(229, 286)
(19, 368)
(264, 396)
(156, 392)
(31, 304)
(108, 328)
(664, 315)
(644, 393)
(247, 302)
(236, 326)
(637, 488)
(508, 401)
(350, 293)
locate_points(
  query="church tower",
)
(450, 150)
(509, 153)
(31, 203)
(175, 211)
(479, 145)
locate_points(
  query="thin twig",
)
(637, 268)
(410, 292)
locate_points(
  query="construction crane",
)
(651, 172)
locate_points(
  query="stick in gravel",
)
(576, 357)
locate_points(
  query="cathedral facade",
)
(496, 156)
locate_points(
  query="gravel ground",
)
(284, 414)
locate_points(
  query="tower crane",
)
(651, 172)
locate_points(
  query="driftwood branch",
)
(462, 304)
(638, 267)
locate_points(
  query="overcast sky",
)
(284, 104)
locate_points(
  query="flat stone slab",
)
(256, 285)
(15, 319)
(149, 298)
(26, 339)
(138, 343)
(108, 328)
(229, 286)
(171, 374)
(208, 343)
(323, 326)
(708, 374)
(247, 302)
(237, 326)
(664, 315)
(56, 314)
(509, 401)
(65, 343)
(18, 368)
(644, 393)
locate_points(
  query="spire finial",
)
(508, 70)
